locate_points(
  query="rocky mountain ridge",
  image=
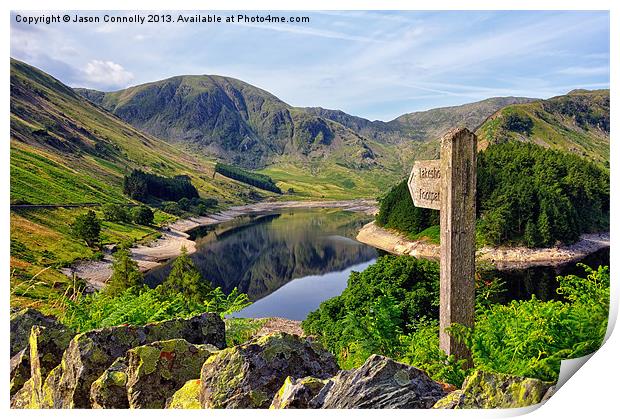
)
(240, 123)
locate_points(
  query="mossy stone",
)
(90, 354)
(297, 393)
(109, 390)
(249, 375)
(187, 397)
(489, 390)
(155, 372)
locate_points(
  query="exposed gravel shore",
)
(502, 257)
(175, 236)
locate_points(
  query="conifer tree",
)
(530, 236)
(544, 228)
(185, 278)
(125, 273)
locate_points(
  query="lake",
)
(521, 284)
(287, 262)
(290, 261)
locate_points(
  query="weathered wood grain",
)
(458, 247)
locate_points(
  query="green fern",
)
(139, 306)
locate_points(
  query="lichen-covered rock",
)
(249, 375)
(50, 385)
(297, 393)
(90, 354)
(187, 397)
(110, 390)
(451, 401)
(20, 370)
(156, 371)
(44, 352)
(381, 383)
(487, 390)
(21, 324)
(23, 398)
(47, 345)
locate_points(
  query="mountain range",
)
(245, 125)
(184, 124)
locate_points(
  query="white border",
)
(590, 393)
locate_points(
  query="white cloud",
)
(106, 73)
(373, 64)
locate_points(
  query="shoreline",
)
(175, 236)
(503, 258)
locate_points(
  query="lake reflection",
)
(541, 281)
(261, 254)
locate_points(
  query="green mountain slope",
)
(314, 152)
(65, 149)
(308, 155)
(231, 120)
(577, 122)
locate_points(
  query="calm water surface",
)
(289, 262)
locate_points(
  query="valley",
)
(72, 146)
(307, 209)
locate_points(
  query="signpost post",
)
(449, 185)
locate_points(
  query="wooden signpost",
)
(449, 185)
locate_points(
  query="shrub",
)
(530, 338)
(142, 305)
(172, 208)
(87, 227)
(115, 213)
(385, 300)
(184, 204)
(526, 338)
(142, 215)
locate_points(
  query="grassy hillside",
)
(577, 122)
(334, 178)
(65, 149)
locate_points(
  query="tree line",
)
(143, 186)
(255, 179)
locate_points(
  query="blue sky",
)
(377, 65)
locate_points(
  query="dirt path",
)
(279, 324)
(174, 236)
(502, 257)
